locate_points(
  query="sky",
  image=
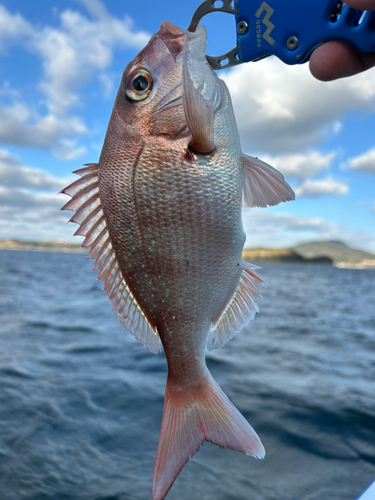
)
(60, 66)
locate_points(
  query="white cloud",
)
(73, 53)
(14, 175)
(12, 27)
(20, 204)
(281, 108)
(8, 158)
(79, 48)
(301, 166)
(323, 187)
(266, 228)
(20, 127)
(34, 217)
(29, 205)
(25, 214)
(66, 149)
(364, 162)
(107, 82)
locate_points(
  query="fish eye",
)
(138, 85)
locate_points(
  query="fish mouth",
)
(173, 38)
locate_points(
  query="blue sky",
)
(60, 66)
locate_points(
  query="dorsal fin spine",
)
(129, 312)
(89, 191)
(135, 319)
(80, 184)
(96, 245)
(110, 273)
(119, 298)
(80, 210)
(90, 222)
(115, 285)
(93, 233)
(88, 214)
(89, 167)
(105, 267)
(102, 251)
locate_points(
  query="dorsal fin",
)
(240, 310)
(86, 204)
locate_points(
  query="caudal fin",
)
(192, 415)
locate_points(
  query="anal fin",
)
(240, 310)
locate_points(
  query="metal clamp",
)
(288, 29)
(291, 30)
(230, 58)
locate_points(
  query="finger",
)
(361, 4)
(337, 59)
(333, 60)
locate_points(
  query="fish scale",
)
(194, 230)
(183, 236)
(161, 215)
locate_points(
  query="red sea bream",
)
(161, 215)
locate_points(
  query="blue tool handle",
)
(292, 29)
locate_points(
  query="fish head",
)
(169, 90)
(149, 99)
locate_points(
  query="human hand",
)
(338, 59)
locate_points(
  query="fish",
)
(161, 215)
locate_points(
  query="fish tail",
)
(193, 414)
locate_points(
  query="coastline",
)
(291, 255)
(42, 246)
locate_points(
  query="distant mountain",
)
(335, 250)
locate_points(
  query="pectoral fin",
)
(264, 185)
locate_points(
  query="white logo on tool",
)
(266, 21)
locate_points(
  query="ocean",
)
(81, 400)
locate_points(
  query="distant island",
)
(333, 253)
(281, 255)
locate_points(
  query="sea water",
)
(81, 400)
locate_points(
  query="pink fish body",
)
(161, 214)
